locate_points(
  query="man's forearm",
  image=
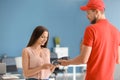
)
(118, 57)
(77, 60)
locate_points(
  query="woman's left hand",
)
(53, 67)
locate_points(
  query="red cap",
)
(94, 4)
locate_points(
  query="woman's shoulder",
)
(46, 50)
(25, 49)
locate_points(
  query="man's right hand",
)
(64, 62)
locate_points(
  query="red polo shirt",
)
(104, 39)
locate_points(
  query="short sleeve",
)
(119, 38)
(88, 36)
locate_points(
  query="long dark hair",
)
(37, 32)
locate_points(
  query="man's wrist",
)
(69, 62)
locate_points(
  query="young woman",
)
(36, 56)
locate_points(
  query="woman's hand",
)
(46, 66)
(53, 67)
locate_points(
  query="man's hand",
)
(64, 62)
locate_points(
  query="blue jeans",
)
(36, 79)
